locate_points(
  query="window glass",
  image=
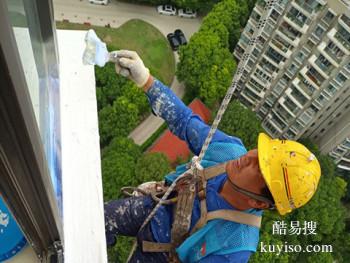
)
(41, 74)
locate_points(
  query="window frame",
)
(25, 183)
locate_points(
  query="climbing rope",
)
(195, 165)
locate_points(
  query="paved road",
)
(116, 14)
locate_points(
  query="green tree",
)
(118, 166)
(117, 120)
(206, 67)
(242, 123)
(232, 15)
(152, 167)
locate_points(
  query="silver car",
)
(187, 12)
(166, 10)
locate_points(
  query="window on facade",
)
(274, 15)
(274, 55)
(300, 57)
(289, 31)
(331, 89)
(347, 66)
(328, 17)
(257, 86)
(291, 134)
(262, 40)
(323, 63)
(291, 105)
(255, 16)
(298, 95)
(334, 51)
(284, 113)
(267, 66)
(319, 31)
(270, 128)
(262, 75)
(277, 120)
(256, 52)
(297, 17)
(343, 36)
(305, 118)
(315, 109)
(250, 63)
(346, 143)
(315, 76)
(340, 78)
(293, 68)
(251, 95)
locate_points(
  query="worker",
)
(279, 174)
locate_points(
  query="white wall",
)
(84, 236)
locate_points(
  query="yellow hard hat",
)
(290, 170)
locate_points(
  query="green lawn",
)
(140, 36)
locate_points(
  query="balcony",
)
(343, 39)
(279, 45)
(306, 7)
(345, 22)
(336, 55)
(327, 69)
(298, 18)
(315, 76)
(289, 31)
(305, 86)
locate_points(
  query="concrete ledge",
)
(83, 217)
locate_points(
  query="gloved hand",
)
(129, 64)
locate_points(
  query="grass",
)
(140, 36)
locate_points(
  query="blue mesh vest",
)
(218, 236)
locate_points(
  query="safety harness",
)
(186, 189)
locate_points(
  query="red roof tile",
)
(172, 146)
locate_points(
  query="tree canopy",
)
(242, 123)
(206, 64)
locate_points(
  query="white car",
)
(99, 2)
(166, 10)
(187, 12)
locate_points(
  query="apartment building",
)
(297, 78)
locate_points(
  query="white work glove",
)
(129, 64)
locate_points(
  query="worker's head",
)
(280, 173)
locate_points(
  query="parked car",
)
(99, 2)
(173, 40)
(180, 36)
(166, 10)
(187, 12)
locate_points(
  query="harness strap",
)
(235, 216)
(214, 171)
(229, 215)
(203, 203)
(148, 246)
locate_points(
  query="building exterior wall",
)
(297, 78)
